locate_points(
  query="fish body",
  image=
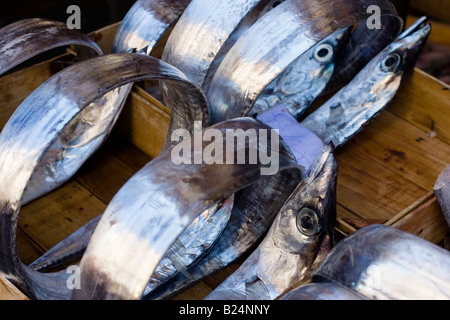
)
(287, 254)
(125, 249)
(370, 90)
(442, 192)
(382, 262)
(36, 127)
(304, 80)
(310, 135)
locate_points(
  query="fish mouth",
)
(411, 42)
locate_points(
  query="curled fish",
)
(307, 144)
(125, 249)
(145, 24)
(382, 262)
(304, 80)
(371, 89)
(276, 190)
(64, 104)
(236, 17)
(287, 255)
(259, 56)
(442, 192)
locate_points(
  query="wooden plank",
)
(9, 291)
(369, 188)
(53, 217)
(116, 156)
(424, 102)
(427, 222)
(144, 123)
(435, 9)
(105, 37)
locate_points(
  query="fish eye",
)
(276, 3)
(391, 62)
(308, 222)
(323, 52)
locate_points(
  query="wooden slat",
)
(427, 222)
(10, 292)
(105, 37)
(144, 123)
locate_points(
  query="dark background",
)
(95, 14)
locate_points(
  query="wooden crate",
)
(386, 172)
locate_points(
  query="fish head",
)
(305, 224)
(400, 56)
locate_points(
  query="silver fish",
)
(125, 249)
(170, 53)
(442, 191)
(271, 44)
(344, 113)
(25, 39)
(322, 291)
(304, 80)
(58, 119)
(143, 26)
(307, 146)
(202, 31)
(287, 255)
(382, 262)
(241, 16)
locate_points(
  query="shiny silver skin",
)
(192, 244)
(203, 30)
(370, 91)
(287, 255)
(442, 191)
(146, 22)
(361, 46)
(57, 125)
(204, 33)
(25, 39)
(382, 262)
(272, 43)
(229, 248)
(254, 210)
(143, 26)
(126, 248)
(304, 80)
(322, 291)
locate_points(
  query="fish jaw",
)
(286, 256)
(373, 88)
